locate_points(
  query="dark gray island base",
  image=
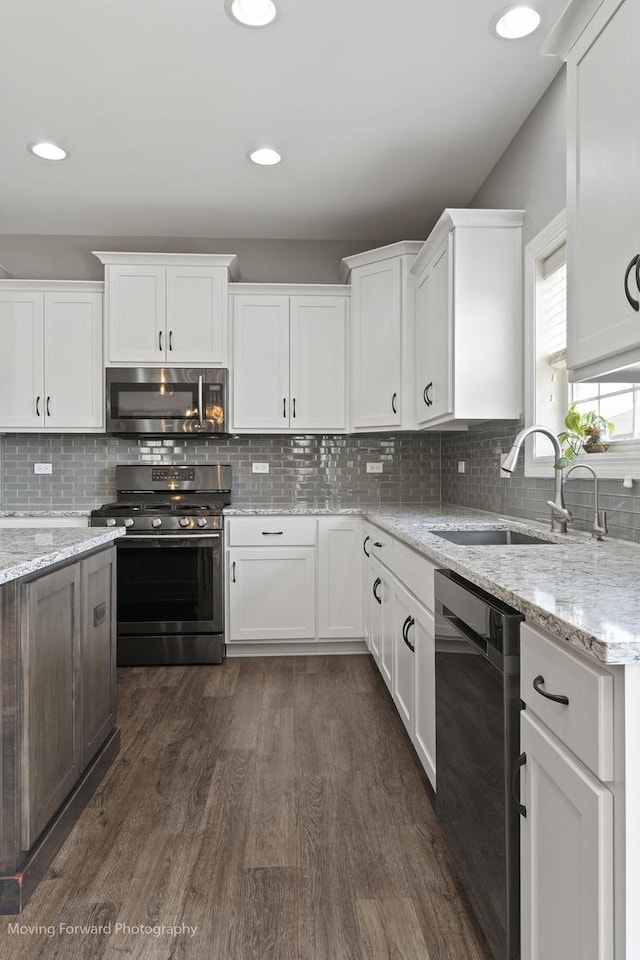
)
(57, 693)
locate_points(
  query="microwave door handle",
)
(201, 400)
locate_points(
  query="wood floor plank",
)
(273, 805)
(390, 928)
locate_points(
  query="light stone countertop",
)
(587, 593)
(28, 550)
(44, 513)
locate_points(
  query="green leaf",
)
(561, 463)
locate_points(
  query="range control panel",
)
(172, 473)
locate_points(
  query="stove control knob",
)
(110, 522)
(201, 521)
(128, 521)
(184, 522)
(156, 522)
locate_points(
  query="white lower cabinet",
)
(401, 636)
(567, 853)
(340, 577)
(295, 579)
(272, 593)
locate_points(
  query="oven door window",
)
(170, 587)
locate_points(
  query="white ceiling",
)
(385, 111)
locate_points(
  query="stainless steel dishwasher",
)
(477, 745)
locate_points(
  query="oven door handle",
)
(163, 537)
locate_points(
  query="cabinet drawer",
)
(415, 572)
(272, 531)
(585, 724)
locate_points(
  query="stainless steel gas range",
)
(170, 562)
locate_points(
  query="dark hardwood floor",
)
(272, 805)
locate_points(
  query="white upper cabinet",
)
(51, 374)
(167, 308)
(468, 316)
(289, 361)
(382, 337)
(603, 210)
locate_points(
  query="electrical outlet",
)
(374, 468)
(43, 468)
(462, 466)
(260, 468)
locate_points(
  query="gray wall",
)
(261, 261)
(316, 471)
(531, 173)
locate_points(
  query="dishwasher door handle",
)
(517, 767)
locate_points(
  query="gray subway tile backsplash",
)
(316, 471)
(313, 471)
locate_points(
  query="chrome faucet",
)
(599, 525)
(560, 516)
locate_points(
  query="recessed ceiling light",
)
(517, 22)
(252, 13)
(265, 156)
(48, 151)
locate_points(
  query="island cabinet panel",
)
(97, 660)
(50, 646)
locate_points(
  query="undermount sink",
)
(472, 538)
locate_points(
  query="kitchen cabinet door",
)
(434, 339)
(404, 658)
(424, 730)
(318, 353)
(21, 360)
(272, 593)
(50, 648)
(260, 369)
(376, 321)
(604, 192)
(567, 853)
(73, 378)
(374, 593)
(136, 313)
(196, 324)
(386, 593)
(340, 577)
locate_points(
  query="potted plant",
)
(584, 431)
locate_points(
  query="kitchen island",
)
(57, 690)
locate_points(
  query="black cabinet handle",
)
(364, 546)
(160, 340)
(294, 406)
(272, 533)
(394, 406)
(376, 584)
(556, 697)
(170, 339)
(425, 394)
(37, 406)
(233, 572)
(377, 543)
(284, 407)
(634, 263)
(409, 622)
(48, 406)
(518, 765)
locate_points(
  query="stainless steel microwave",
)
(166, 401)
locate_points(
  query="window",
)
(548, 390)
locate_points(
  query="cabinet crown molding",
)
(465, 217)
(229, 260)
(569, 26)
(399, 249)
(54, 286)
(291, 289)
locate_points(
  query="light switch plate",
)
(260, 468)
